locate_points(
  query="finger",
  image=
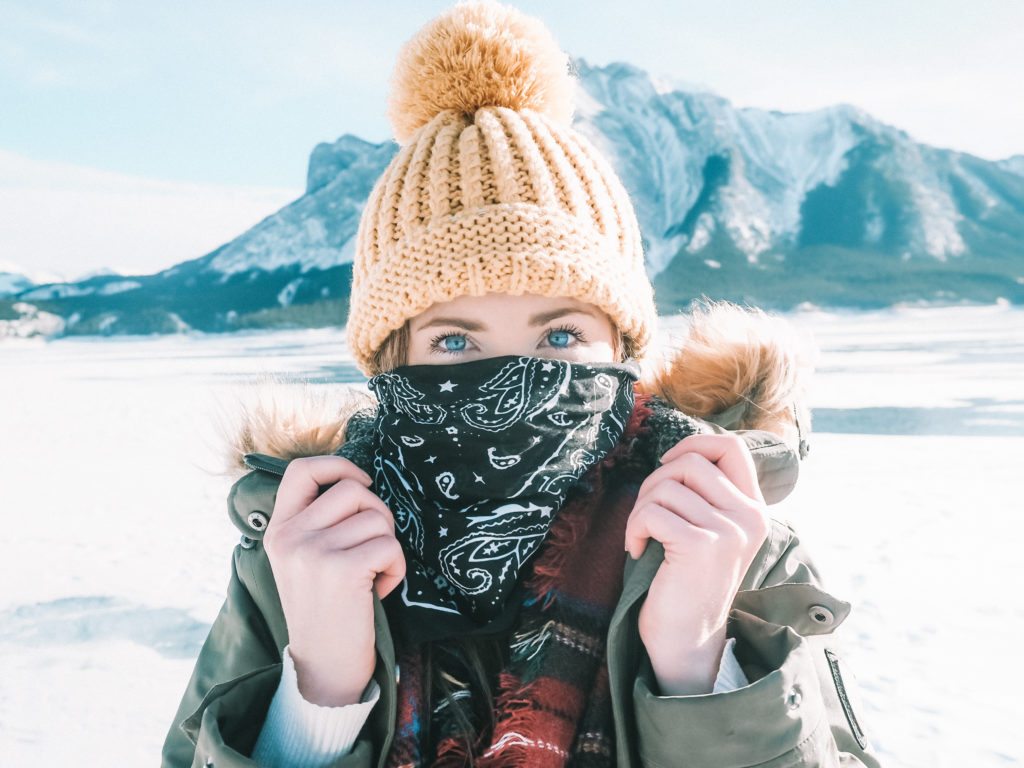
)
(689, 505)
(696, 471)
(342, 500)
(729, 452)
(657, 522)
(305, 477)
(354, 530)
(749, 523)
(383, 555)
(384, 583)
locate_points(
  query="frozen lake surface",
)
(118, 542)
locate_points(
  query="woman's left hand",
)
(705, 506)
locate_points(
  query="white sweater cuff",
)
(730, 673)
(300, 734)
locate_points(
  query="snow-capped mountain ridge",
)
(1014, 164)
(830, 207)
(315, 231)
(775, 157)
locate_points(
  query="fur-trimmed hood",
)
(736, 367)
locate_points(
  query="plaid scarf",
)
(553, 706)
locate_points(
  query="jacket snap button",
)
(209, 762)
(246, 542)
(821, 615)
(793, 698)
(257, 521)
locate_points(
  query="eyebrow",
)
(542, 317)
(463, 323)
(539, 319)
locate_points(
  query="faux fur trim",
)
(739, 359)
(285, 418)
(730, 355)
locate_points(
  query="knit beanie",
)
(491, 190)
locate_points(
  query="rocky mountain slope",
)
(830, 207)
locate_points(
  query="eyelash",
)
(567, 327)
(435, 344)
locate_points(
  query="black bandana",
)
(475, 460)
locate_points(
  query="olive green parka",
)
(800, 708)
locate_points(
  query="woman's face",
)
(476, 327)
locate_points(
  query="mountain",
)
(830, 207)
(293, 267)
(1014, 164)
(20, 319)
(13, 282)
(15, 278)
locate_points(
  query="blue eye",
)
(559, 338)
(450, 343)
(457, 343)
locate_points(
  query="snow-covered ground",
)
(117, 541)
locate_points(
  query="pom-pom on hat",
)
(492, 190)
(479, 55)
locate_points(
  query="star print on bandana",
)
(475, 459)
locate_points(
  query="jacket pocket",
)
(242, 702)
(777, 720)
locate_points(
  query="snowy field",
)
(117, 542)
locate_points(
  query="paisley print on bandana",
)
(475, 460)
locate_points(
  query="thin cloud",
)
(21, 18)
(74, 219)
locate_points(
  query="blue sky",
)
(210, 109)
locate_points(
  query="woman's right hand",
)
(328, 552)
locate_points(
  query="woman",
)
(519, 553)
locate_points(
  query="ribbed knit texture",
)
(300, 734)
(498, 201)
(492, 189)
(730, 673)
